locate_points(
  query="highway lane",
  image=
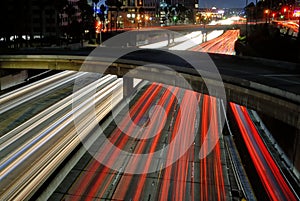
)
(26, 93)
(119, 140)
(211, 173)
(20, 105)
(37, 153)
(88, 179)
(146, 146)
(223, 44)
(274, 182)
(179, 181)
(176, 178)
(10, 141)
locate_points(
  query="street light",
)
(138, 18)
(131, 17)
(146, 20)
(267, 11)
(98, 31)
(285, 9)
(273, 16)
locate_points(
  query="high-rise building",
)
(71, 13)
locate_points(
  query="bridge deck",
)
(264, 85)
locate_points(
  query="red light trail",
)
(223, 44)
(213, 159)
(267, 169)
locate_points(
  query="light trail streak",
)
(203, 162)
(217, 158)
(152, 149)
(210, 166)
(222, 45)
(85, 180)
(123, 140)
(180, 169)
(121, 192)
(267, 169)
(99, 180)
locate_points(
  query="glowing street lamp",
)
(267, 11)
(284, 9)
(98, 31)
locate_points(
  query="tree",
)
(181, 12)
(250, 8)
(86, 16)
(95, 2)
(70, 12)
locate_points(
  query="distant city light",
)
(221, 11)
(296, 13)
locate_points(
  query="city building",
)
(127, 13)
(71, 12)
(35, 20)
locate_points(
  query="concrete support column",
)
(127, 86)
(12, 78)
(296, 152)
(170, 39)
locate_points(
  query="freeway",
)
(273, 179)
(223, 44)
(33, 150)
(189, 178)
(19, 105)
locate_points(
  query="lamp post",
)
(138, 18)
(267, 11)
(284, 11)
(146, 20)
(98, 31)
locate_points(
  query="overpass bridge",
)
(267, 86)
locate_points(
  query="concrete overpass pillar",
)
(127, 86)
(296, 154)
(132, 40)
(204, 37)
(170, 39)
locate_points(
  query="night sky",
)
(223, 3)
